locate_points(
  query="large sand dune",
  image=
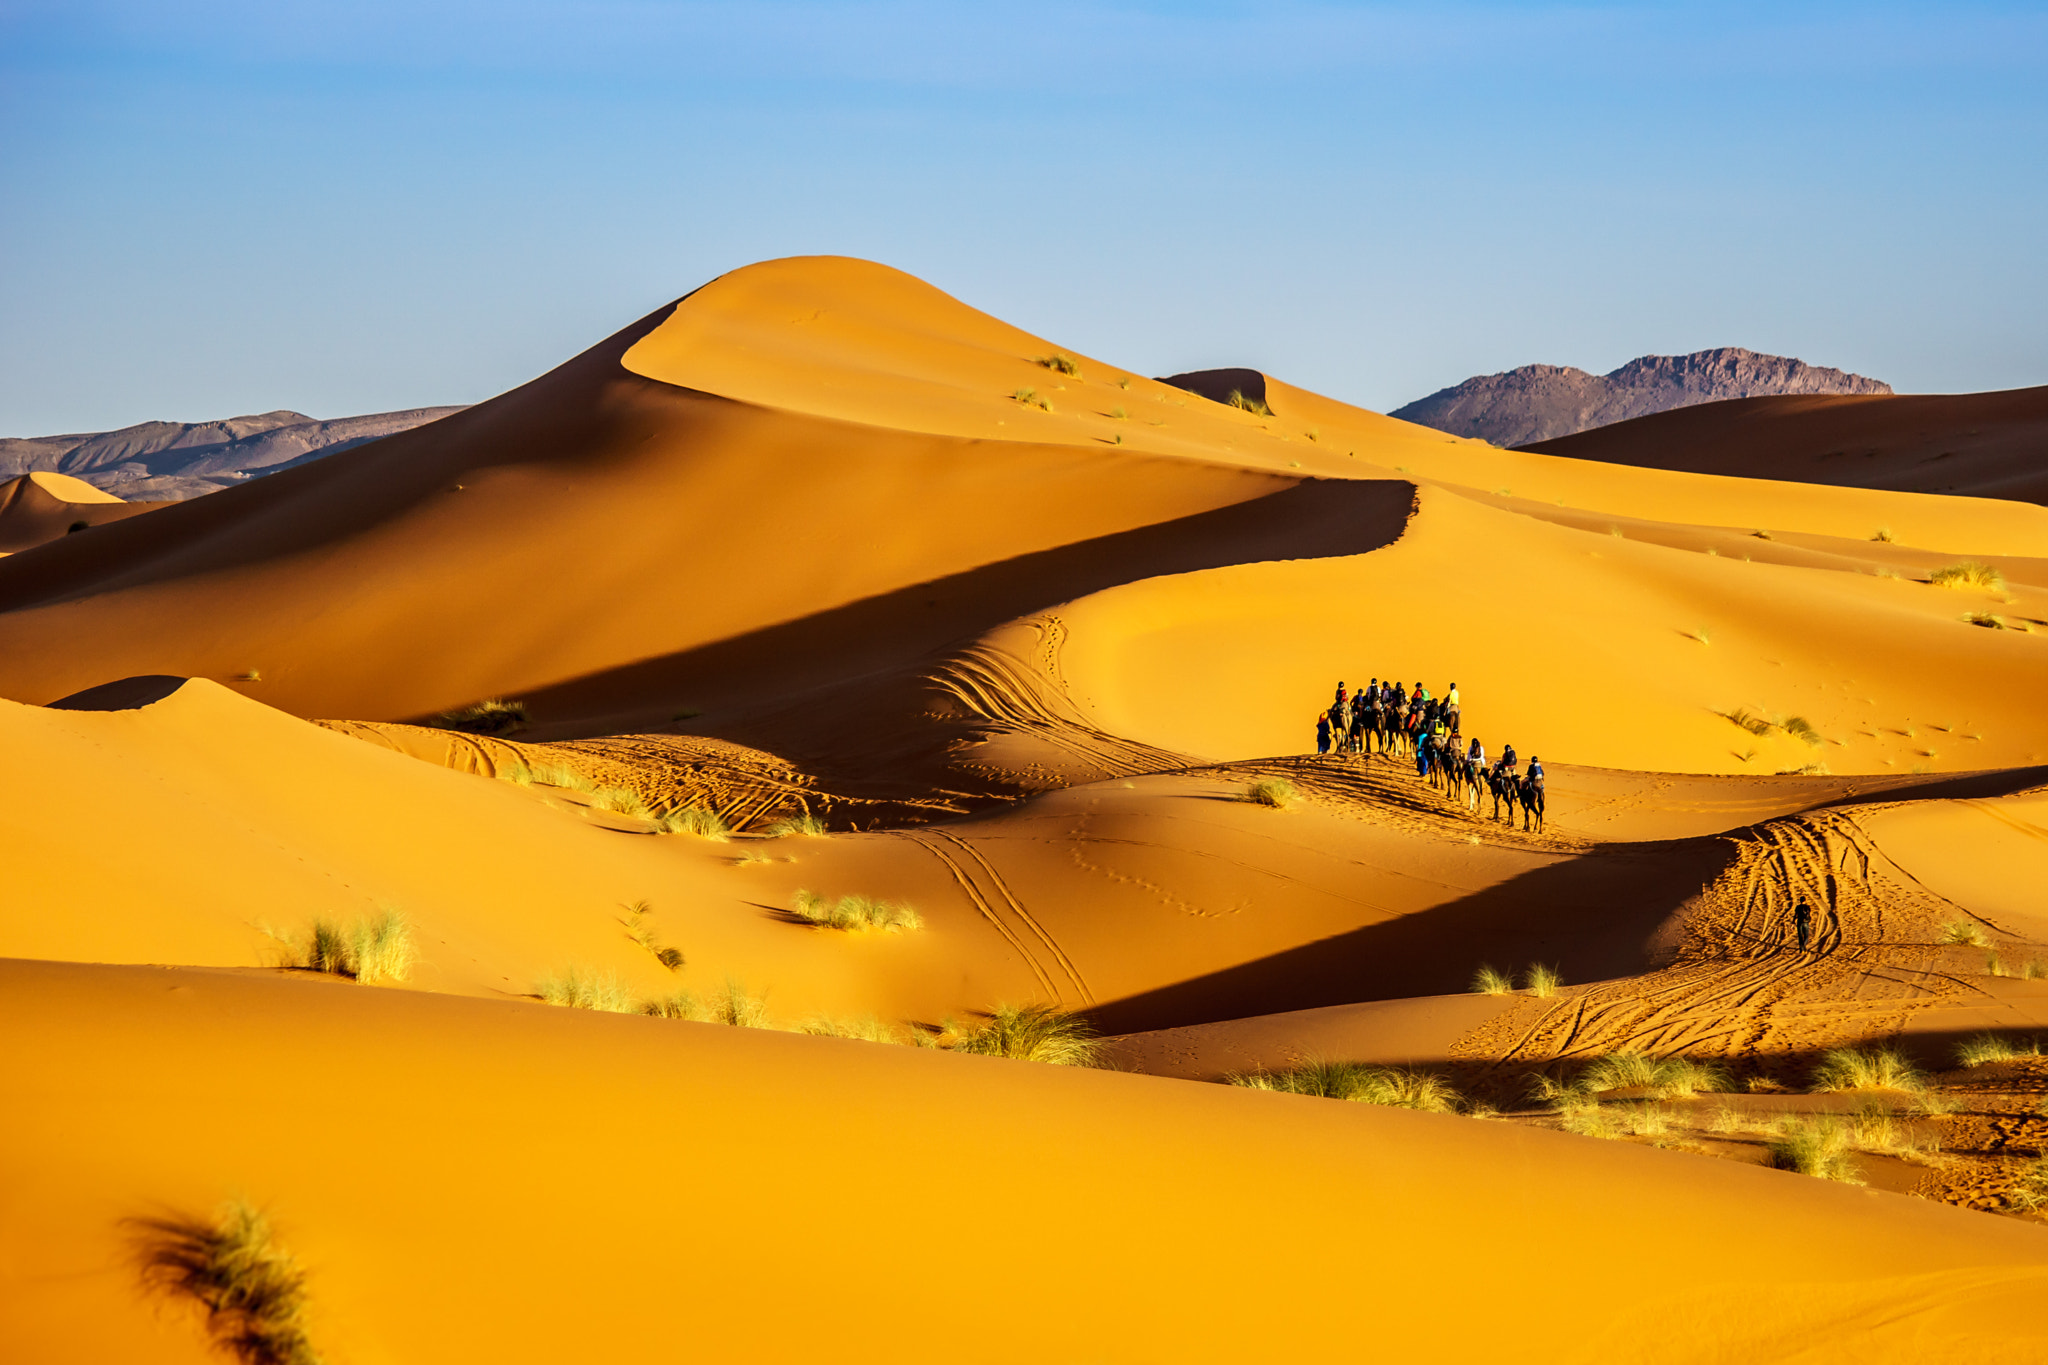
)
(1018, 629)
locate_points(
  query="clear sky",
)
(346, 206)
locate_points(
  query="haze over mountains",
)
(172, 461)
(1543, 402)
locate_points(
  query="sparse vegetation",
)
(866, 1030)
(581, 990)
(738, 1007)
(1396, 1087)
(2030, 1191)
(1848, 1068)
(1541, 980)
(1118, 414)
(1661, 1077)
(1800, 728)
(620, 801)
(705, 824)
(369, 950)
(253, 1290)
(1276, 792)
(806, 825)
(1061, 363)
(1487, 981)
(676, 1005)
(642, 933)
(1030, 398)
(1256, 407)
(548, 775)
(1761, 534)
(1986, 1048)
(1967, 933)
(1744, 719)
(1034, 1033)
(1970, 573)
(1819, 1147)
(492, 716)
(1988, 620)
(855, 913)
(1883, 533)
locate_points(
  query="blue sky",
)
(214, 208)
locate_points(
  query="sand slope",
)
(781, 1198)
(40, 507)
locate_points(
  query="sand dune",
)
(1019, 631)
(798, 1199)
(36, 509)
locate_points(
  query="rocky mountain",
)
(169, 461)
(1543, 402)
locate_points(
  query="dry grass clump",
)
(1749, 721)
(620, 801)
(1988, 620)
(253, 1291)
(1256, 407)
(1034, 1033)
(806, 825)
(642, 933)
(1966, 933)
(697, 820)
(866, 1030)
(492, 716)
(1542, 981)
(738, 1007)
(1819, 1147)
(1970, 573)
(1991, 1047)
(1661, 1077)
(1276, 792)
(2030, 1191)
(676, 1005)
(1487, 981)
(548, 775)
(369, 950)
(1800, 728)
(1848, 1068)
(1396, 1087)
(855, 913)
(582, 990)
(1883, 533)
(1061, 363)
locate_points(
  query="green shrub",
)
(855, 913)
(587, 991)
(1276, 792)
(1034, 1033)
(1061, 363)
(253, 1291)
(1848, 1068)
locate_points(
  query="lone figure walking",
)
(1802, 924)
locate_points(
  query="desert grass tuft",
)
(1988, 620)
(1970, 573)
(1061, 363)
(2030, 1191)
(1256, 407)
(697, 820)
(548, 775)
(492, 716)
(1276, 792)
(806, 825)
(1848, 1068)
(642, 933)
(1819, 1147)
(581, 990)
(1542, 981)
(1396, 1087)
(1993, 1047)
(854, 913)
(1755, 724)
(1034, 1033)
(621, 801)
(866, 1030)
(1965, 933)
(253, 1290)
(1800, 728)
(1487, 981)
(675, 1005)
(369, 950)
(1662, 1077)
(1883, 533)
(738, 1007)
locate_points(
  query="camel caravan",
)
(1388, 718)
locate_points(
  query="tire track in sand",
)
(985, 904)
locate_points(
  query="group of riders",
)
(1388, 718)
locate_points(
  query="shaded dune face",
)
(819, 586)
(36, 509)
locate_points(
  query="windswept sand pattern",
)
(990, 894)
(1738, 983)
(1028, 697)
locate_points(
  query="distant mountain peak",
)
(1542, 402)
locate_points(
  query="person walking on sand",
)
(1802, 923)
(1323, 733)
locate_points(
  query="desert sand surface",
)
(38, 508)
(575, 867)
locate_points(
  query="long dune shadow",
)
(1312, 519)
(1593, 917)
